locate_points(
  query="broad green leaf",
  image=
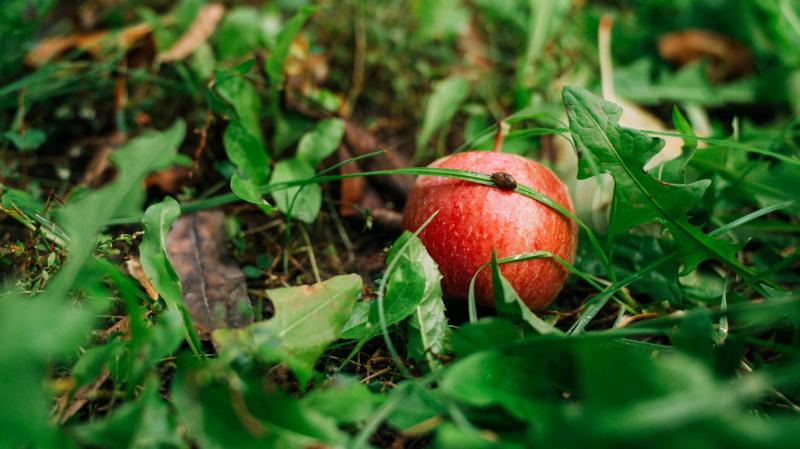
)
(639, 198)
(241, 31)
(447, 96)
(303, 202)
(246, 151)
(510, 306)
(29, 141)
(487, 333)
(323, 140)
(229, 410)
(344, 399)
(247, 190)
(307, 319)
(428, 329)
(157, 267)
(37, 332)
(274, 65)
(244, 98)
(413, 291)
(441, 19)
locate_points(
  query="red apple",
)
(475, 219)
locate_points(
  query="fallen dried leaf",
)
(135, 270)
(727, 57)
(352, 189)
(214, 288)
(98, 170)
(67, 408)
(92, 42)
(170, 180)
(361, 142)
(203, 26)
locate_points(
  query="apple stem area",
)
(502, 131)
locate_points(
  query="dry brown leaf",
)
(727, 57)
(362, 142)
(474, 53)
(203, 26)
(351, 189)
(633, 116)
(136, 271)
(51, 48)
(214, 287)
(169, 180)
(69, 407)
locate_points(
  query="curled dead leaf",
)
(203, 26)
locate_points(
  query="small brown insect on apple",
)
(504, 180)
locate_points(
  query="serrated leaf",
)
(412, 289)
(156, 222)
(323, 140)
(274, 65)
(247, 152)
(428, 329)
(447, 96)
(303, 202)
(639, 198)
(307, 319)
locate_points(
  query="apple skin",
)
(474, 219)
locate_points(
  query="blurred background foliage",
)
(89, 360)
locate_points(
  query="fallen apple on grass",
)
(475, 219)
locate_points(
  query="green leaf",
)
(675, 170)
(247, 190)
(247, 152)
(244, 98)
(157, 220)
(37, 332)
(441, 19)
(323, 140)
(413, 289)
(307, 319)
(303, 202)
(30, 140)
(344, 399)
(510, 306)
(220, 409)
(447, 97)
(274, 65)
(241, 31)
(639, 198)
(428, 330)
(487, 333)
